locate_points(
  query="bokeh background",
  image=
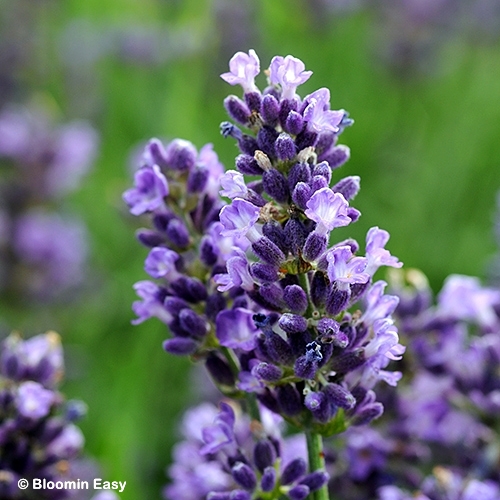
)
(421, 79)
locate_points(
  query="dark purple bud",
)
(285, 147)
(314, 246)
(248, 145)
(295, 235)
(285, 107)
(160, 221)
(264, 273)
(348, 187)
(275, 185)
(294, 123)
(189, 289)
(150, 238)
(293, 471)
(315, 480)
(228, 129)
(353, 214)
(299, 492)
(337, 300)
(244, 476)
(276, 234)
(193, 323)
(266, 138)
(339, 396)
(268, 296)
(197, 180)
(214, 305)
(174, 305)
(324, 170)
(240, 495)
(301, 195)
(278, 349)
(268, 480)
(318, 405)
(358, 290)
(247, 165)
(292, 323)
(348, 361)
(268, 399)
(307, 366)
(157, 152)
(268, 251)
(325, 141)
(237, 109)
(289, 399)
(180, 346)
(267, 372)
(318, 182)
(330, 333)
(181, 155)
(264, 454)
(253, 100)
(208, 252)
(219, 370)
(255, 198)
(367, 414)
(300, 172)
(319, 289)
(306, 139)
(270, 109)
(337, 156)
(177, 233)
(295, 298)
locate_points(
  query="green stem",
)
(304, 283)
(316, 461)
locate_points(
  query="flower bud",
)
(285, 147)
(244, 476)
(180, 346)
(295, 298)
(237, 109)
(289, 399)
(293, 471)
(270, 110)
(275, 185)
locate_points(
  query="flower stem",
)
(316, 462)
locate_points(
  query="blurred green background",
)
(426, 103)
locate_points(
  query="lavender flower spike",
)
(289, 72)
(243, 70)
(328, 210)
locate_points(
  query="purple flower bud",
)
(237, 109)
(315, 480)
(264, 454)
(289, 399)
(264, 273)
(240, 495)
(367, 414)
(339, 396)
(306, 366)
(190, 289)
(286, 106)
(285, 147)
(267, 372)
(248, 145)
(292, 323)
(278, 349)
(218, 495)
(337, 156)
(197, 180)
(275, 185)
(294, 123)
(247, 165)
(67, 444)
(314, 246)
(353, 214)
(318, 405)
(306, 139)
(150, 238)
(293, 471)
(326, 140)
(157, 153)
(299, 492)
(319, 289)
(276, 234)
(295, 298)
(219, 370)
(348, 187)
(268, 479)
(301, 194)
(180, 155)
(295, 235)
(33, 401)
(337, 300)
(214, 304)
(208, 251)
(323, 169)
(244, 476)
(177, 233)
(180, 346)
(348, 361)
(330, 333)
(254, 100)
(300, 172)
(266, 138)
(193, 323)
(149, 191)
(268, 251)
(270, 110)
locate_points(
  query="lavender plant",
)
(282, 314)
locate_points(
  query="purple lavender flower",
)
(243, 70)
(344, 268)
(288, 72)
(328, 210)
(317, 113)
(376, 254)
(235, 328)
(239, 219)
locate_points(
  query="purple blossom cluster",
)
(42, 253)
(38, 437)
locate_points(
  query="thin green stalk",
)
(316, 462)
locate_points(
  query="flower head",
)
(328, 210)
(243, 68)
(289, 72)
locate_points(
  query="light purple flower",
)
(233, 185)
(68, 443)
(239, 219)
(224, 246)
(33, 400)
(378, 305)
(319, 116)
(249, 382)
(289, 72)
(151, 304)
(150, 188)
(208, 158)
(160, 263)
(236, 329)
(243, 68)
(376, 254)
(221, 433)
(386, 341)
(328, 210)
(237, 274)
(344, 268)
